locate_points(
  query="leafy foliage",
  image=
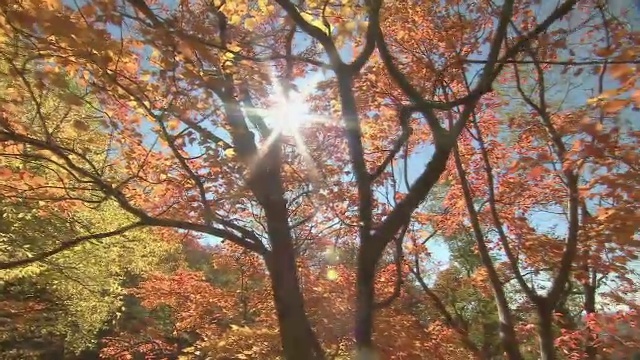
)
(324, 146)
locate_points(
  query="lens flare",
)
(332, 274)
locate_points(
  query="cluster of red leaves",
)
(215, 312)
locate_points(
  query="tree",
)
(73, 297)
(205, 149)
(550, 170)
(56, 305)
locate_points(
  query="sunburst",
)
(287, 115)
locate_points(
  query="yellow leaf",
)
(234, 47)
(173, 124)
(346, 11)
(52, 4)
(598, 100)
(230, 152)
(313, 21)
(332, 274)
(235, 19)
(250, 23)
(346, 29)
(262, 5)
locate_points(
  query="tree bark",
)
(508, 336)
(589, 287)
(591, 351)
(368, 253)
(364, 307)
(296, 334)
(545, 331)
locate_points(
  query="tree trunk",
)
(365, 293)
(545, 331)
(297, 336)
(591, 351)
(368, 252)
(487, 345)
(508, 336)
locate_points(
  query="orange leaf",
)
(536, 171)
(5, 173)
(620, 70)
(604, 52)
(636, 97)
(173, 124)
(613, 106)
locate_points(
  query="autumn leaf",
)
(394, 187)
(605, 52)
(235, 19)
(619, 71)
(5, 173)
(615, 105)
(250, 23)
(635, 97)
(72, 99)
(80, 125)
(536, 171)
(230, 152)
(173, 124)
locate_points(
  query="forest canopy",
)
(319, 179)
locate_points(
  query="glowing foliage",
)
(283, 129)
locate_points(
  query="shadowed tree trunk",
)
(545, 330)
(298, 338)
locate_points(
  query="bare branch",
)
(121, 198)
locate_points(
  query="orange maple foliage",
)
(193, 106)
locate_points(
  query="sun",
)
(288, 113)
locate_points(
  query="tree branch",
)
(397, 146)
(398, 259)
(121, 199)
(69, 245)
(370, 38)
(313, 31)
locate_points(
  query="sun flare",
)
(289, 113)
